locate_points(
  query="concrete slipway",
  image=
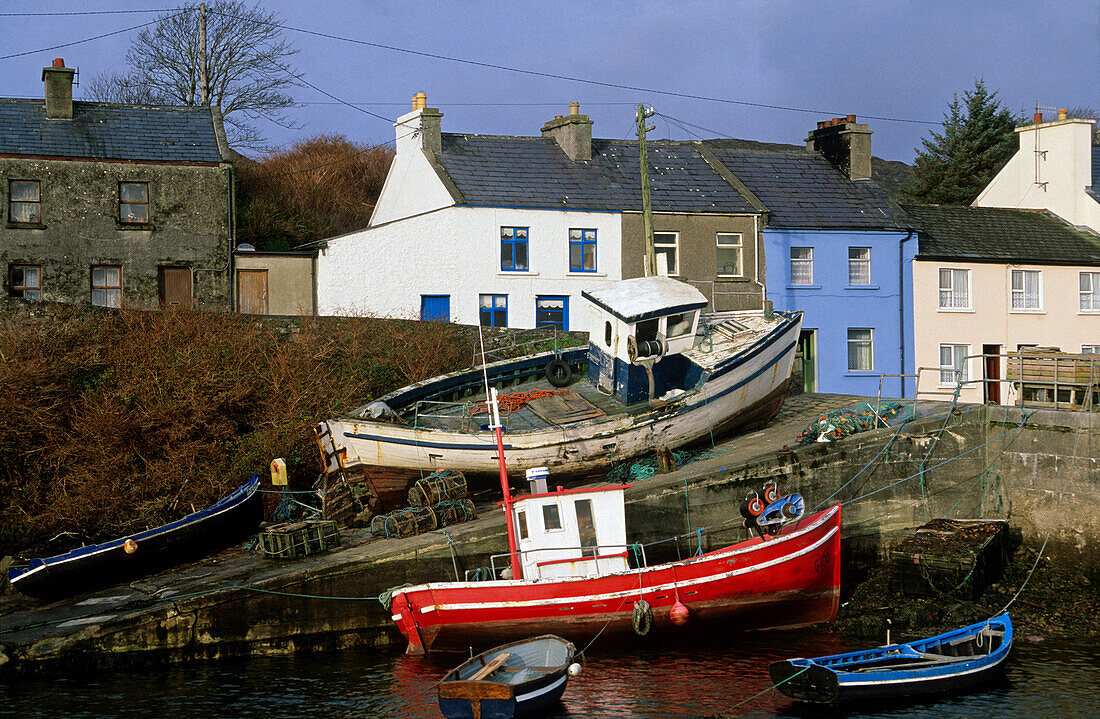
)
(1040, 469)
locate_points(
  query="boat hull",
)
(743, 395)
(789, 580)
(228, 521)
(914, 673)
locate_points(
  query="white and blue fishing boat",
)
(230, 519)
(520, 679)
(945, 663)
(651, 377)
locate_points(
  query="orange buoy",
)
(130, 546)
(679, 613)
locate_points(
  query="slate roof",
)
(534, 172)
(803, 189)
(992, 234)
(101, 130)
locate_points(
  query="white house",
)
(990, 281)
(1057, 168)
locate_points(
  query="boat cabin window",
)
(679, 325)
(521, 520)
(586, 526)
(551, 518)
(647, 331)
(607, 333)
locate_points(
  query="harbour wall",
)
(1042, 474)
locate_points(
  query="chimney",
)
(1063, 114)
(573, 133)
(422, 127)
(59, 90)
(845, 143)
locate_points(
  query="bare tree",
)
(248, 70)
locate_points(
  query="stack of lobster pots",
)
(438, 500)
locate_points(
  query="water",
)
(690, 678)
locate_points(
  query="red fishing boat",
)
(570, 573)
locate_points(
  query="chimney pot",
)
(850, 118)
(58, 62)
(1037, 118)
(574, 108)
(1062, 114)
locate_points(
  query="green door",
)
(807, 342)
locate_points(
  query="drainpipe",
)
(901, 308)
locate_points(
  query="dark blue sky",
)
(900, 59)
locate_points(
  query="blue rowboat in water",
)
(231, 519)
(949, 662)
(520, 679)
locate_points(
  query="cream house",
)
(990, 281)
(1057, 168)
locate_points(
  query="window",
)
(679, 325)
(435, 308)
(665, 243)
(25, 201)
(494, 310)
(802, 265)
(582, 250)
(521, 520)
(552, 311)
(953, 364)
(729, 255)
(860, 350)
(1090, 292)
(513, 249)
(133, 202)
(551, 519)
(954, 289)
(107, 286)
(1090, 349)
(859, 265)
(1027, 292)
(25, 281)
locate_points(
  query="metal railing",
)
(506, 557)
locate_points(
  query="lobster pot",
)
(405, 522)
(455, 512)
(441, 486)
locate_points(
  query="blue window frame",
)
(552, 311)
(435, 308)
(513, 249)
(494, 310)
(582, 250)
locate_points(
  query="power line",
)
(88, 39)
(87, 12)
(556, 76)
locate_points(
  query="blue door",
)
(435, 308)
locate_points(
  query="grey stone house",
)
(114, 205)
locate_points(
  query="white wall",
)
(412, 186)
(456, 251)
(1050, 171)
(990, 320)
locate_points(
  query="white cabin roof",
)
(644, 298)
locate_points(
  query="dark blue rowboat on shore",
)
(231, 519)
(513, 680)
(949, 662)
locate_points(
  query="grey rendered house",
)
(114, 205)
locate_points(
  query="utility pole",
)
(647, 207)
(203, 90)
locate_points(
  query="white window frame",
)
(807, 261)
(869, 341)
(738, 247)
(1090, 349)
(1093, 293)
(674, 266)
(951, 290)
(1021, 293)
(863, 263)
(947, 371)
(561, 519)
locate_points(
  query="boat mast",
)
(513, 548)
(647, 207)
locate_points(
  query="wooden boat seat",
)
(490, 667)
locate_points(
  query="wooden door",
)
(992, 373)
(175, 287)
(252, 292)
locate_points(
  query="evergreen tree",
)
(977, 140)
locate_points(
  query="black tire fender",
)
(559, 373)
